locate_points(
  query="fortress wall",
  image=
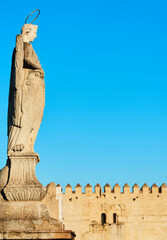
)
(140, 214)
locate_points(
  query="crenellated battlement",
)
(97, 210)
(116, 189)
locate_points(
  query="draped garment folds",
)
(26, 98)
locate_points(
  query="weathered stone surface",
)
(55, 235)
(33, 219)
(27, 94)
(140, 215)
(3, 177)
(23, 184)
(51, 201)
(28, 220)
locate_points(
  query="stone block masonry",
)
(140, 214)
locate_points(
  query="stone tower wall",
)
(140, 214)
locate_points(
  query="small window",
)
(115, 218)
(103, 218)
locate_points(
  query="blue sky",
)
(105, 64)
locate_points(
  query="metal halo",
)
(31, 14)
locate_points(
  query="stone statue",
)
(26, 95)
(25, 112)
(28, 210)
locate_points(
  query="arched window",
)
(115, 218)
(103, 218)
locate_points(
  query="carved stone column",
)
(23, 184)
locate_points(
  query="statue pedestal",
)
(23, 184)
(29, 210)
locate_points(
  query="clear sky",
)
(105, 64)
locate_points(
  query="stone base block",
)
(57, 235)
(33, 219)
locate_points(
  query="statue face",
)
(29, 32)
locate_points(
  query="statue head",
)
(29, 32)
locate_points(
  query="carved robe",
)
(26, 98)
